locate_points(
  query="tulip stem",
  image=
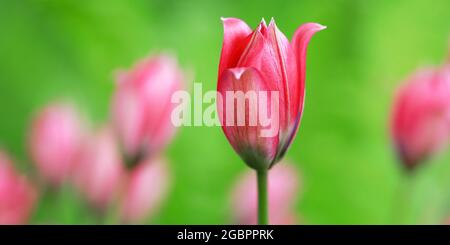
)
(262, 197)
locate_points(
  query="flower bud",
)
(262, 61)
(100, 171)
(146, 188)
(55, 141)
(17, 196)
(420, 125)
(142, 105)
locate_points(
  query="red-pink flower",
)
(283, 191)
(17, 196)
(142, 104)
(146, 188)
(420, 122)
(55, 141)
(100, 171)
(263, 60)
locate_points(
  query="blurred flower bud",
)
(283, 190)
(145, 190)
(55, 140)
(142, 105)
(420, 123)
(100, 171)
(17, 197)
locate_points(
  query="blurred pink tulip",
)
(17, 197)
(142, 105)
(145, 190)
(263, 60)
(283, 190)
(421, 116)
(100, 171)
(55, 140)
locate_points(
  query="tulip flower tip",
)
(272, 21)
(224, 19)
(263, 21)
(322, 27)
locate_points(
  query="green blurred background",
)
(53, 48)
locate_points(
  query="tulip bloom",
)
(100, 171)
(264, 60)
(146, 188)
(283, 188)
(55, 141)
(420, 123)
(17, 196)
(142, 105)
(260, 61)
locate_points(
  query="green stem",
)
(262, 197)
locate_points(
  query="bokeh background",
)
(53, 48)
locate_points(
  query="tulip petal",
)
(236, 37)
(297, 65)
(142, 104)
(279, 48)
(129, 118)
(17, 194)
(261, 55)
(99, 171)
(165, 82)
(258, 152)
(146, 189)
(55, 139)
(296, 77)
(420, 123)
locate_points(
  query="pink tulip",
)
(100, 171)
(55, 140)
(17, 197)
(142, 104)
(421, 116)
(263, 60)
(146, 188)
(283, 190)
